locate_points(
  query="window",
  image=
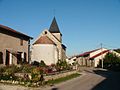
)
(25, 58)
(45, 32)
(74, 59)
(21, 42)
(1, 58)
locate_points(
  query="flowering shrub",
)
(7, 73)
(24, 74)
(62, 65)
(37, 74)
(10, 70)
(25, 68)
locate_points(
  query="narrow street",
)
(96, 79)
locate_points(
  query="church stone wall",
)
(45, 52)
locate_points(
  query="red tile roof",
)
(100, 54)
(44, 40)
(14, 31)
(86, 53)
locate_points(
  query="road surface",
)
(92, 79)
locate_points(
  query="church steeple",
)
(54, 27)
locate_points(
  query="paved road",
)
(112, 81)
(92, 79)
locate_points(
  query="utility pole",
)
(101, 53)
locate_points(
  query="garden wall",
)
(59, 75)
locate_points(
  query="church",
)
(48, 46)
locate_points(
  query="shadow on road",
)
(112, 81)
(54, 89)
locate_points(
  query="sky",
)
(84, 24)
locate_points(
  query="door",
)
(19, 58)
(1, 58)
(7, 58)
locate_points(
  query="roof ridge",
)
(100, 53)
(12, 30)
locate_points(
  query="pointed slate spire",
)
(54, 27)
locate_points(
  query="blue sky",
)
(84, 23)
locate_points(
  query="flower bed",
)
(31, 75)
(26, 75)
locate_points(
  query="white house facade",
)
(98, 56)
(91, 58)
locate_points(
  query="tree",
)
(111, 61)
(35, 63)
(42, 64)
(62, 65)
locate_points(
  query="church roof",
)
(54, 27)
(44, 40)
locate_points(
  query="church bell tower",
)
(54, 29)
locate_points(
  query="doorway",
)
(1, 58)
(7, 57)
(19, 58)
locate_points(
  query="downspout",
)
(29, 52)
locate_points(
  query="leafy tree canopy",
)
(111, 61)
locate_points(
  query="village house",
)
(48, 46)
(14, 46)
(91, 58)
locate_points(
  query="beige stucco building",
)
(14, 46)
(48, 46)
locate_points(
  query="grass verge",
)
(62, 79)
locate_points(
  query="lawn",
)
(62, 79)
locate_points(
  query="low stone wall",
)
(50, 77)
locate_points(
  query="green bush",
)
(26, 68)
(112, 62)
(37, 74)
(62, 65)
(10, 70)
(26, 74)
(2, 69)
(42, 64)
(7, 73)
